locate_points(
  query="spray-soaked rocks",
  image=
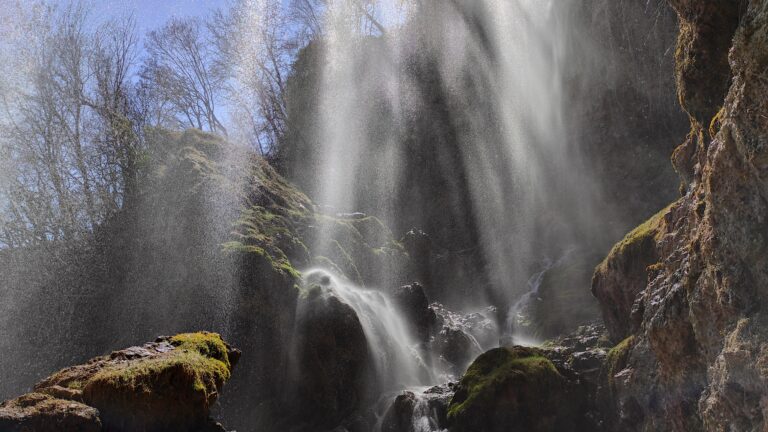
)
(620, 278)
(459, 338)
(414, 305)
(419, 412)
(329, 374)
(169, 384)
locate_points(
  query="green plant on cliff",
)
(617, 358)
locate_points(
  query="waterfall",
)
(397, 361)
(508, 174)
(424, 418)
(517, 314)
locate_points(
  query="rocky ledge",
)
(166, 385)
(555, 387)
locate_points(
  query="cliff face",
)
(698, 355)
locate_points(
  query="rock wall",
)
(697, 356)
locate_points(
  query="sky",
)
(151, 14)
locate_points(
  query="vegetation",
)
(617, 357)
(647, 231)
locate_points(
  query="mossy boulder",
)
(515, 389)
(166, 385)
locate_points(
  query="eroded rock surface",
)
(694, 358)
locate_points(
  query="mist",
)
(362, 196)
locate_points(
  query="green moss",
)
(199, 360)
(646, 231)
(617, 358)
(142, 376)
(495, 370)
(207, 344)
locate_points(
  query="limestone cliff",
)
(696, 358)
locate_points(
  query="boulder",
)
(456, 337)
(169, 384)
(413, 303)
(516, 389)
(331, 366)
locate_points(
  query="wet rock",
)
(412, 301)
(454, 340)
(399, 417)
(169, 384)
(456, 347)
(412, 412)
(329, 371)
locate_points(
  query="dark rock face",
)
(169, 384)
(413, 302)
(330, 372)
(562, 302)
(696, 358)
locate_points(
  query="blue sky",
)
(151, 14)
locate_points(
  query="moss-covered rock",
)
(169, 384)
(623, 274)
(515, 389)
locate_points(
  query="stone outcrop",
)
(169, 384)
(330, 374)
(695, 354)
(623, 274)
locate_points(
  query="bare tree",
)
(112, 62)
(180, 66)
(70, 137)
(256, 46)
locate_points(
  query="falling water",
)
(503, 66)
(397, 360)
(515, 332)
